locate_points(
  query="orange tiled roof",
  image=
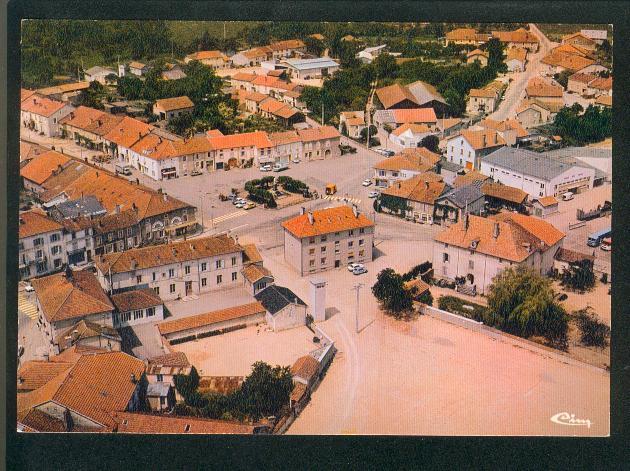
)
(64, 88)
(127, 132)
(266, 80)
(254, 96)
(325, 221)
(159, 255)
(483, 139)
(547, 201)
(537, 87)
(175, 103)
(577, 35)
(257, 139)
(251, 254)
(36, 373)
(422, 188)
(134, 422)
(41, 105)
(62, 298)
(244, 77)
(510, 244)
(174, 359)
(288, 44)
(482, 93)
(271, 105)
(567, 61)
(204, 55)
(286, 137)
(517, 53)
(462, 34)
(34, 223)
(394, 94)
(415, 115)
(253, 273)
(468, 178)
(305, 367)
(41, 167)
(604, 100)
(155, 147)
(521, 35)
(477, 52)
(542, 230)
(213, 133)
(318, 134)
(256, 52)
(417, 159)
(413, 127)
(504, 192)
(209, 318)
(448, 122)
(194, 145)
(504, 126)
(136, 299)
(582, 78)
(82, 117)
(25, 93)
(572, 49)
(602, 83)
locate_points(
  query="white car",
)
(354, 266)
(373, 194)
(240, 204)
(366, 182)
(359, 270)
(296, 160)
(265, 168)
(29, 289)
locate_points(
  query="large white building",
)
(41, 245)
(311, 68)
(478, 248)
(42, 115)
(536, 173)
(175, 270)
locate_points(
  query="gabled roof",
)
(205, 55)
(542, 230)
(462, 34)
(285, 137)
(175, 103)
(572, 62)
(326, 221)
(477, 52)
(287, 44)
(483, 139)
(523, 161)
(506, 125)
(394, 94)
(604, 100)
(504, 192)
(25, 93)
(547, 201)
(137, 65)
(88, 205)
(244, 77)
(169, 363)
(142, 298)
(571, 256)
(318, 134)
(448, 123)
(573, 49)
(601, 83)
(412, 127)
(275, 298)
(253, 273)
(463, 195)
(306, 64)
(85, 330)
(127, 132)
(160, 255)
(468, 178)
(134, 422)
(42, 167)
(414, 115)
(423, 188)
(251, 254)
(582, 77)
(64, 88)
(41, 105)
(33, 223)
(521, 35)
(98, 70)
(257, 139)
(537, 87)
(417, 159)
(254, 96)
(482, 93)
(305, 367)
(577, 35)
(36, 373)
(516, 53)
(425, 93)
(209, 318)
(63, 298)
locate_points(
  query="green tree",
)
(593, 332)
(187, 385)
(431, 142)
(314, 46)
(562, 78)
(394, 204)
(389, 290)
(92, 96)
(266, 390)
(385, 66)
(521, 302)
(579, 276)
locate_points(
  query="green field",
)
(183, 32)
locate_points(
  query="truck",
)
(280, 167)
(123, 169)
(596, 238)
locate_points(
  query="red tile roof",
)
(542, 230)
(318, 134)
(40, 168)
(547, 201)
(142, 298)
(423, 188)
(305, 367)
(33, 223)
(36, 373)
(326, 221)
(209, 318)
(130, 422)
(41, 105)
(504, 192)
(204, 55)
(415, 115)
(258, 139)
(175, 103)
(537, 87)
(127, 132)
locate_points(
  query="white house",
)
(175, 270)
(478, 248)
(285, 310)
(42, 115)
(368, 54)
(516, 58)
(41, 246)
(354, 122)
(138, 306)
(287, 146)
(481, 101)
(410, 135)
(407, 164)
(468, 147)
(311, 68)
(536, 173)
(98, 74)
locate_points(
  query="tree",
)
(562, 78)
(92, 96)
(593, 332)
(431, 142)
(579, 276)
(385, 66)
(266, 390)
(394, 204)
(314, 46)
(521, 302)
(183, 125)
(389, 290)
(364, 133)
(187, 385)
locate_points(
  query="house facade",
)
(311, 68)
(285, 310)
(41, 245)
(320, 143)
(42, 115)
(169, 108)
(468, 147)
(135, 307)
(312, 244)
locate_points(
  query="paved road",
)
(516, 90)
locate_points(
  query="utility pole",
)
(322, 113)
(201, 200)
(357, 288)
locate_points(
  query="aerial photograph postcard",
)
(314, 228)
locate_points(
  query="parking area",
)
(233, 354)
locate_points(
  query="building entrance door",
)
(188, 288)
(337, 263)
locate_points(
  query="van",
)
(280, 167)
(123, 169)
(567, 196)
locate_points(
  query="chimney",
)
(310, 218)
(72, 115)
(81, 196)
(117, 209)
(160, 190)
(495, 230)
(46, 357)
(355, 210)
(100, 123)
(134, 207)
(426, 184)
(133, 378)
(466, 221)
(527, 246)
(97, 173)
(496, 138)
(165, 197)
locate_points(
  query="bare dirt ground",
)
(429, 377)
(605, 144)
(233, 354)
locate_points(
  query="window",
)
(125, 316)
(323, 261)
(324, 238)
(219, 279)
(351, 232)
(153, 276)
(362, 230)
(39, 254)
(311, 240)
(160, 378)
(54, 237)
(157, 290)
(361, 253)
(171, 272)
(187, 269)
(150, 311)
(233, 261)
(110, 236)
(204, 266)
(121, 245)
(323, 249)
(57, 262)
(220, 264)
(311, 251)
(234, 276)
(445, 257)
(361, 242)
(137, 314)
(204, 281)
(311, 263)
(121, 234)
(55, 250)
(99, 241)
(471, 265)
(38, 241)
(350, 243)
(129, 230)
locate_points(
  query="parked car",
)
(366, 182)
(373, 194)
(231, 197)
(195, 172)
(241, 204)
(296, 160)
(265, 168)
(352, 266)
(359, 270)
(29, 288)
(389, 153)
(249, 205)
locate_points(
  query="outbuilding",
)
(545, 206)
(285, 310)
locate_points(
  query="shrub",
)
(390, 291)
(456, 306)
(593, 332)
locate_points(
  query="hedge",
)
(456, 306)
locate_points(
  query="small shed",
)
(564, 258)
(256, 278)
(161, 396)
(543, 207)
(285, 310)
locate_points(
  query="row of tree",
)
(579, 127)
